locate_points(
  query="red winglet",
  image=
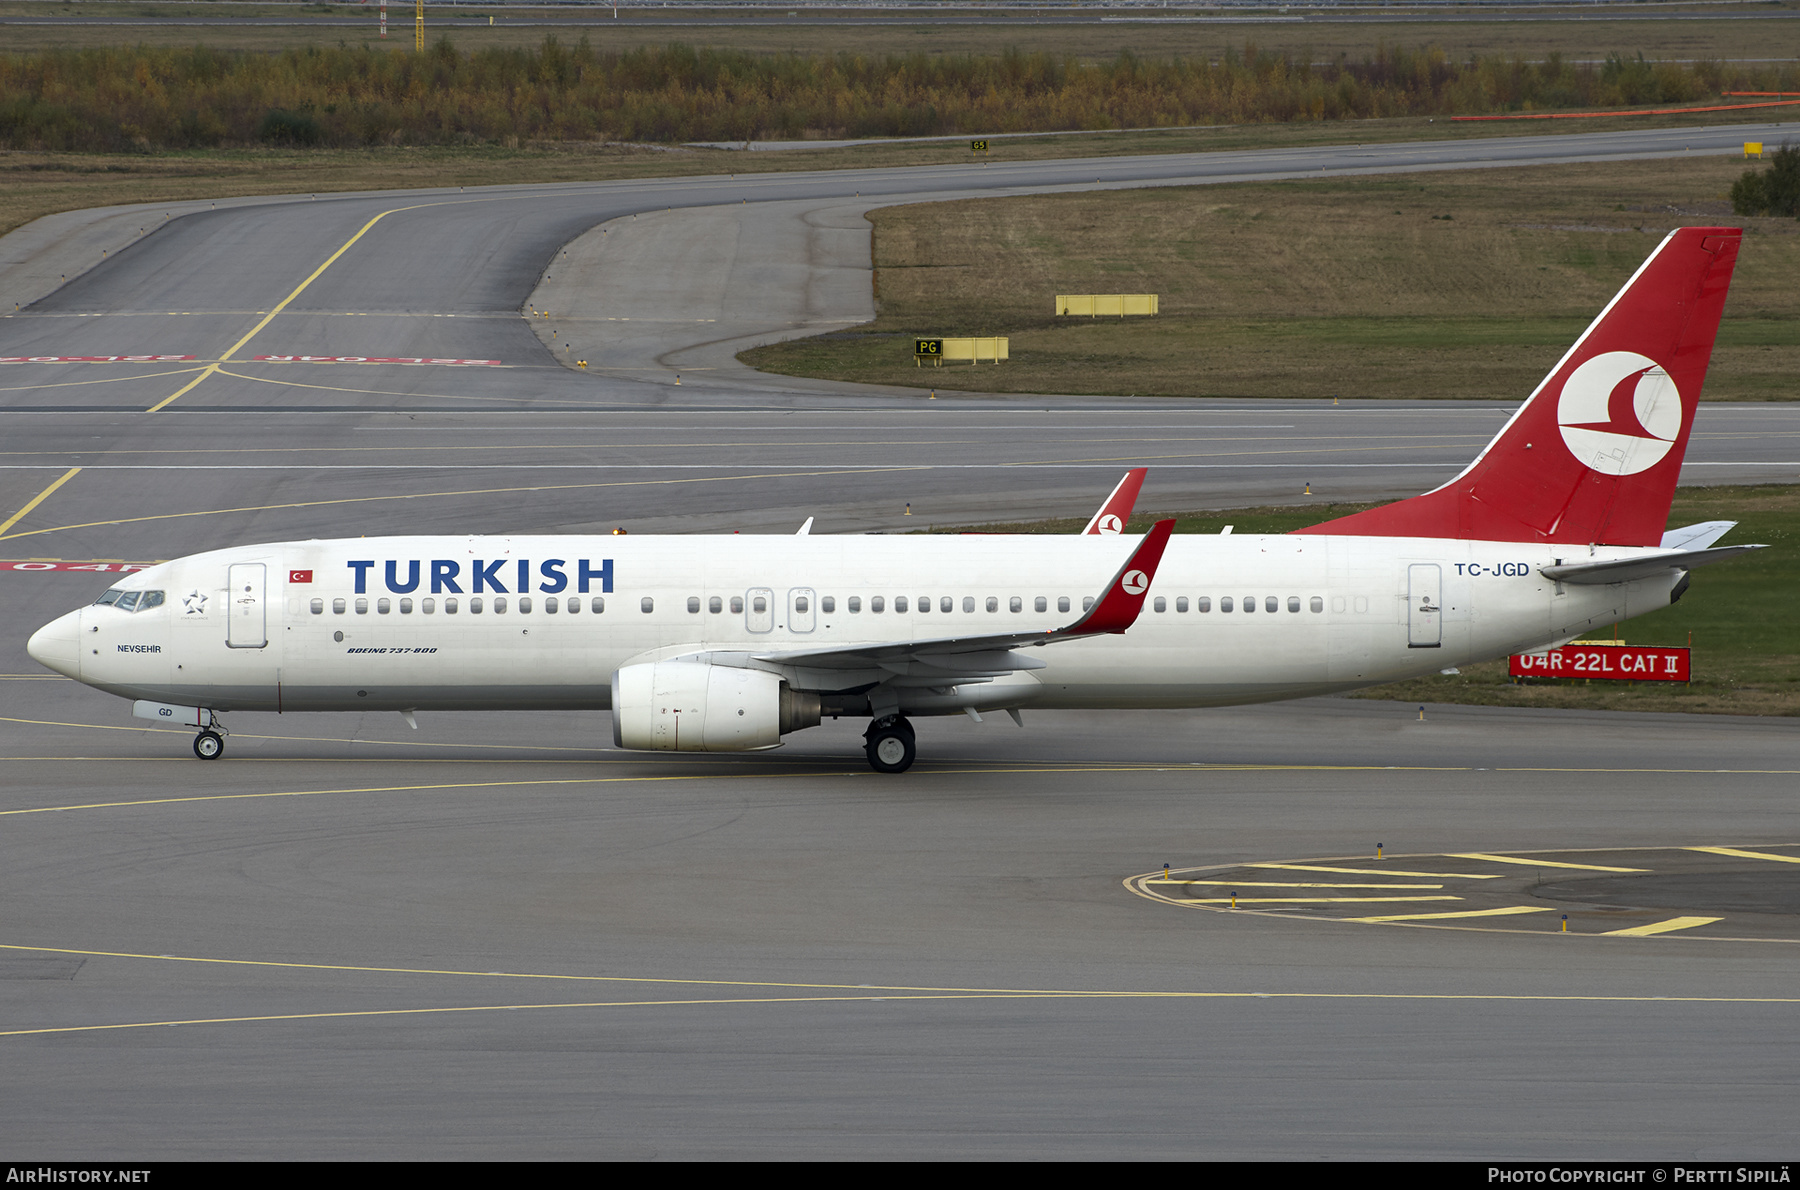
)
(1117, 510)
(1118, 608)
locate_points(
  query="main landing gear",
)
(889, 745)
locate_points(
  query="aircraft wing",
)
(1625, 570)
(1117, 510)
(992, 653)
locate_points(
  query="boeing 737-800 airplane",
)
(728, 643)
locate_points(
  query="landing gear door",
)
(1424, 606)
(759, 609)
(247, 602)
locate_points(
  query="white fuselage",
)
(1331, 613)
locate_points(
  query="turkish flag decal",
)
(299, 576)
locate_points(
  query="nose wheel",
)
(889, 745)
(209, 745)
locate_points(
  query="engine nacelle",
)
(694, 706)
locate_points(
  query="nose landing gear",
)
(889, 744)
(210, 743)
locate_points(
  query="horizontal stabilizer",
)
(1696, 537)
(1625, 570)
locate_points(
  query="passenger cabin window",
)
(646, 605)
(524, 605)
(828, 604)
(475, 605)
(596, 605)
(500, 606)
(1204, 604)
(1225, 604)
(693, 605)
(759, 605)
(337, 607)
(1062, 603)
(318, 607)
(449, 607)
(1160, 604)
(406, 607)
(1015, 605)
(1249, 603)
(1272, 604)
(572, 605)
(854, 603)
(1293, 603)
(899, 605)
(715, 605)
(1040, 604)
(383, 607)
(801, 603)
(1087, 601)
(1181, 603)
(877, 604)
(925, 604)
(968, 604)
(551, 604)
(737, 605)
(946, 604)
(362, 607)
(1318, 603)
(428, 606)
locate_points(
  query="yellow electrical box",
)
(1752, 148)
(1109, 304)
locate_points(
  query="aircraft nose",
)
(57, 645)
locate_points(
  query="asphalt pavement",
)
(498, 937)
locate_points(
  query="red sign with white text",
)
(1618, 663)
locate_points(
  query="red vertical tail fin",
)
(1593, 455)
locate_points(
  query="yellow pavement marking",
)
(270, 316)
(26, 388)
(1310, 900)
(38, 499)
(839, 993)
(556, 487)
(1739, 854)
(1662, 927)
(1287, 884)
(1539, 863)
(1506, 912)
(1378, 872)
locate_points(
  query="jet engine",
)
(695, 706)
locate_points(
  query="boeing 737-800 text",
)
(729, 643)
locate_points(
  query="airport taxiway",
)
(498, 937)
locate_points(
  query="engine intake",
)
(694, 706)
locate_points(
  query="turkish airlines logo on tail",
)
(1135, 582)
(1620, 413)
(1109, 524)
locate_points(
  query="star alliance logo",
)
(193, 604)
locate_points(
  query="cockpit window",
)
(131, 601)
